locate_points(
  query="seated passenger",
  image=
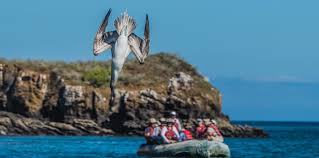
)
(152, 132)
(169, 133)
(213, 132)
(214, 125)
(177, 123)
(200, 129)
(186, 133)
(162, 123)
(206, 122)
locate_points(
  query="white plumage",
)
(124, 21)
(122, 42)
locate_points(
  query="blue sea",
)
(286, 139)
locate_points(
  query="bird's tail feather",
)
(124, 24)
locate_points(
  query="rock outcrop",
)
(50, 102)
(15, 124)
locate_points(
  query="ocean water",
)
(286, 139)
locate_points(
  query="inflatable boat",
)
(191, 148)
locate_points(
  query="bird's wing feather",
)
(139, 46)
(135, 45)
(146, 41)
(104, 39)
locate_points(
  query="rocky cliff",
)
(57, 98)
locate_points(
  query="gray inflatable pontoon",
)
(191, 148)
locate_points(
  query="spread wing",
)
(103, 40)
(139, 46)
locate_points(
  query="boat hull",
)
(191, 148)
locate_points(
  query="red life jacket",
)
(216, 129)
(188, 134)
(201, 130)
(170, 135)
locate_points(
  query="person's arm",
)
(211, 132)
(209, 138)
(157, 131)
(164, 130)
(147, 132)
(179, 125)
(197, 132)
(218, 131)
(176, 132)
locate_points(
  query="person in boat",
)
(206, 122)
(152, 132)
(163, 123)
(200, 129)
(169, 133)
(186, 133)
(177, 123)
(158, 124)
(213, 132)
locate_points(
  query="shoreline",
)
(17, 125)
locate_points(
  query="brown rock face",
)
(136, 107)
(47, 96)
(3, 97)
(27, 93)
(15, 124)
(82, 102)
(56, 98)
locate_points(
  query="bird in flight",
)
(121, 41)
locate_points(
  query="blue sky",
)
(249, 49)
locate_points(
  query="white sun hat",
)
(173, 113)
(214, 121)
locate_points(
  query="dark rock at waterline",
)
(15, 124)
(53, 99)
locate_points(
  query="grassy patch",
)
(97, 77)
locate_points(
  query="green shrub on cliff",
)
(97, 77)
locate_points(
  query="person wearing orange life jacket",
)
(152, 132)
(169, 133)
(213, 132)
(200, 129)
(186, 133)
